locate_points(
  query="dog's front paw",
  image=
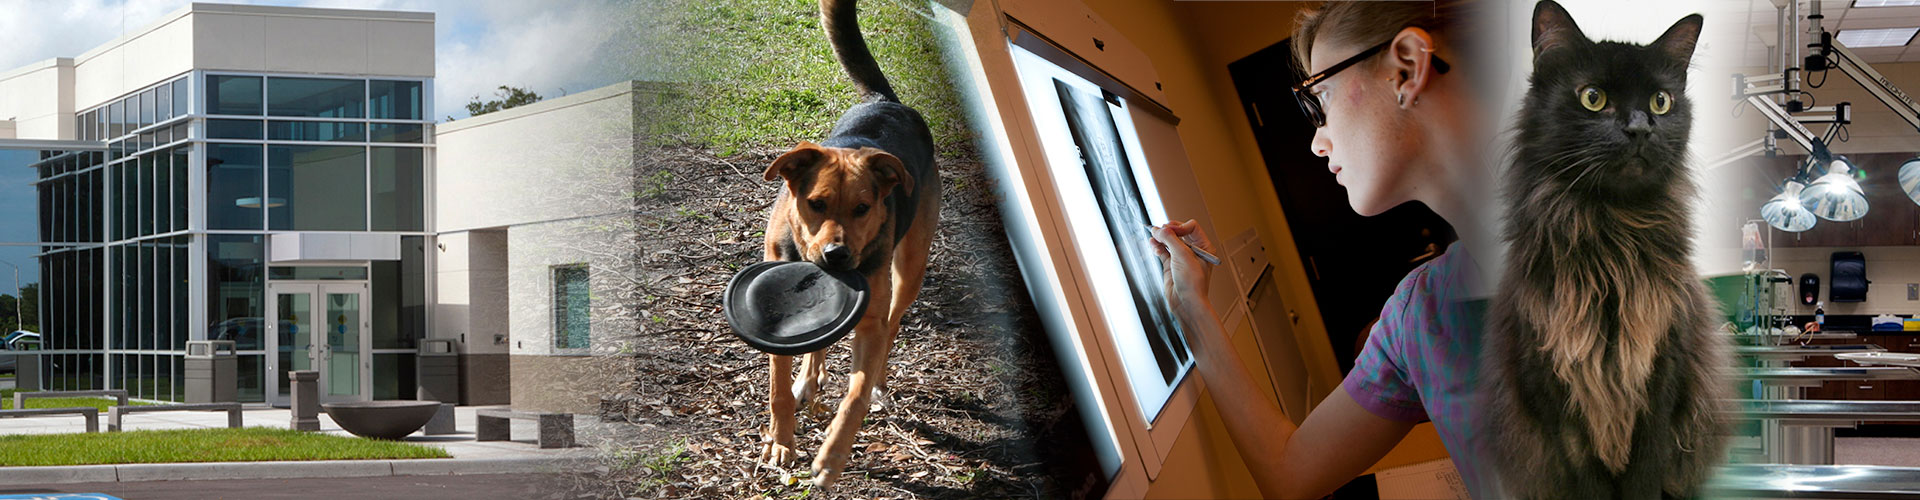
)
(778, 454)
(826, 469)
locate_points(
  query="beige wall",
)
(38, 100)
(332, 41)
(556, 159)
(218, 37)
(1889, 269)
(144, 57)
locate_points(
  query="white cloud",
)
(551, 47)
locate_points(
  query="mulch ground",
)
(979, 406)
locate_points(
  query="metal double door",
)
(323, 327)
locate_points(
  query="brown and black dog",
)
(867, 199)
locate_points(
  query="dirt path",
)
(980, 412)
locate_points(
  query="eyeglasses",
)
(1310, 104)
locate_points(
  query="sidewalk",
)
(521, 455)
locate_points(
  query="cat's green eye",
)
(1662, 103)
(1591, 98)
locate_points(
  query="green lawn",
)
(765, 76)
(252, 444)
(6, 402)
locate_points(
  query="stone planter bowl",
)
(382, 419)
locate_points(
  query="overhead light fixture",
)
(1836, 196)
(1786, 211)
(256, 202)
(1885, 3)
(1910, 179)
(1880, 37)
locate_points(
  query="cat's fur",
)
(1603, 368)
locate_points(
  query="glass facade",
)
(163, 235)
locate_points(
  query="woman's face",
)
(1363, 140)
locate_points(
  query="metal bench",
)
(1813, 481)
(556, 429)
(20, 398)
(115, 414)
(91, 414)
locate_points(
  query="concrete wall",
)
(556, 159)
(38, 100)
(1889, 269)
(529, 189)
(471, 306)
(140, 58)
(217, 37)
(550, 379)
(304, 40)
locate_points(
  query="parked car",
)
(10, 343)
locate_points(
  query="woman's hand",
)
(1186, 275)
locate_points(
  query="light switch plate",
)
(1913, 291)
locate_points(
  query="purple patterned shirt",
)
(1421, 357)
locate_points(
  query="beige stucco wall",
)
(560, 158)
(38, 99)
(243, 38)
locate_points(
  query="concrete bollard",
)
(442, 422)
(306, 399)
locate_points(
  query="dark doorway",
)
(1352, 262)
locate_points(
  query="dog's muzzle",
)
(837, 256)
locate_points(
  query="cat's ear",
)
(1553, 29)
(1678, 41)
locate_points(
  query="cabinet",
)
(1873, 390)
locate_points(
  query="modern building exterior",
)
(252, 174)
(536, 224)
(273, 177)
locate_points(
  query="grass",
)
(252, 444)
(6, 402)
(766, 78)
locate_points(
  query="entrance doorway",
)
(322, 327)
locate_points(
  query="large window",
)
(391, 100)
(316, 97)
(398, 189)
(236, 289)
(571, 303)
(233, 95)
(317, 188)
(234, 198)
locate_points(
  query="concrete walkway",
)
(520, 455)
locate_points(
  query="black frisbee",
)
(789, 308)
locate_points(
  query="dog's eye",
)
(860, 210)
(817, 205)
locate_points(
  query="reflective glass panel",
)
(316, 97)
(399, 189)
(317, 188)
(233, 95)
(394, 100)
(234, 199)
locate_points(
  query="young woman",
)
(1399, 119)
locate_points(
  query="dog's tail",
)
(842, 22)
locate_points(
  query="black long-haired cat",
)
(1603, 368)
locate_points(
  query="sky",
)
(554, 47)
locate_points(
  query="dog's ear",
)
(890, 171)
(803, 155)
